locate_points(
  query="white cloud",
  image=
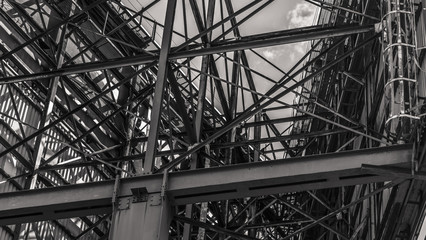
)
(300, 47)
(270, 54)
(285, 53)
(276, 52)
(301, 16)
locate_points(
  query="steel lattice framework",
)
(164, 119)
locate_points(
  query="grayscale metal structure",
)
(164, 119)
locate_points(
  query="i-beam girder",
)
(213, 184)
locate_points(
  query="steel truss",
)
(166, 119)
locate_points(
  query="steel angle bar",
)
(278, 38)
(160, 85)
(80, 107)
(255, 41)
(235, 76)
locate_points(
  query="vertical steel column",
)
(159, 87)
(233, 100)
(399, 48)
(131, 120)
(204, 65)
(204, 205)
(248, 73)
(145, 217)
(201, 100)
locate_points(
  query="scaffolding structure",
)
(200, 119)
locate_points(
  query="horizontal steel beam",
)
(227, 182)
(249, 42)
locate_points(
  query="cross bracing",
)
(157, 93)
